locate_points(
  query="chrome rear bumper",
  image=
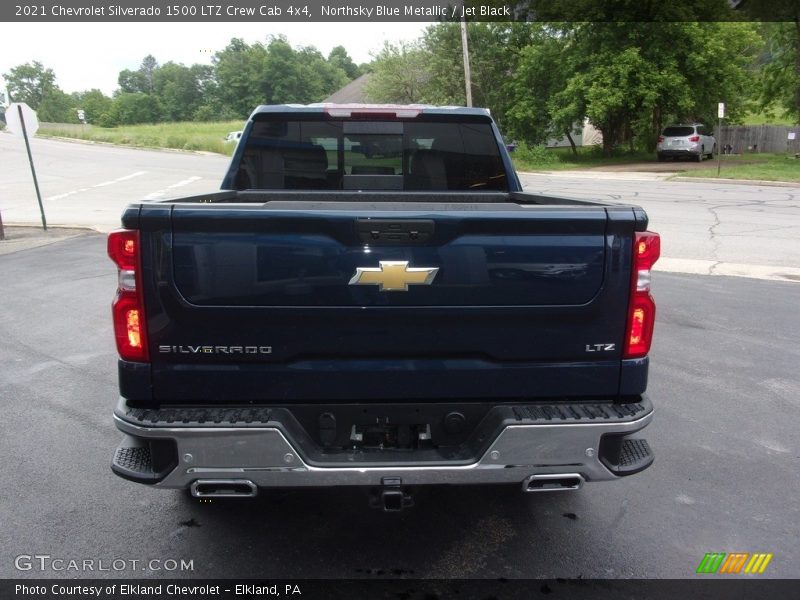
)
(265, 457)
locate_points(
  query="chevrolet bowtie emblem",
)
(394, 276)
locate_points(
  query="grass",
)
(559, 159)
(208, 137)
(766, 167)
(770, 117)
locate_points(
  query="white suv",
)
(686, 140)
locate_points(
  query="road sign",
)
(13, 121)
(721, 110)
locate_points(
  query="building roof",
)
(352, 93)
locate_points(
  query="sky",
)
(91, 55)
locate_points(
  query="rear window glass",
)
(678, 131)
(374, 155)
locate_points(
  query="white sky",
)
(91, 55)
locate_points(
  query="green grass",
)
(559, 159)
(208, 137)
(774, 117)
(767, 167)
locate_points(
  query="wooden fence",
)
(741, 139)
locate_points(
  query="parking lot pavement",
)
(723, 378)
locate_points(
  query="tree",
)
(780, 76)
(177, 88)
(130, 109)
(399, 74)
(132, 82)
(30, 83)
(302, 75)
(630, 79)
(339, 58)
(541, 73)
(94, 104)
(239, 69)
(781, 73)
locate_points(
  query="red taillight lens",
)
(694, 138)
(128, 307)
(660, 139)
(642, 308)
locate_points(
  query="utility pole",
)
(720, 115)
(467, 74)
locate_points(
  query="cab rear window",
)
(371, 155)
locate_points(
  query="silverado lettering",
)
(427, 317)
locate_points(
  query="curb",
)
(736, 181)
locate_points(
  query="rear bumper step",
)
(545, 447)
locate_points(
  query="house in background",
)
(587, 135)
(352, 93)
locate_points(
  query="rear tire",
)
(699, 157)
(713, 152)
(660, 157)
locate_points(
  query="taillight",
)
(694, 138)
(660, 139)
(130, 325)
(642, 308)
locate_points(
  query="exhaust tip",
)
(552, 482)
(223, 488)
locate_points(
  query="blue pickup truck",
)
(373, 300)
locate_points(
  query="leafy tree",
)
(94, 104)
(57, 107)
(780, 76)
(399, 74)
(239, 69)
(338, 57)
(301, 75)
(148, 70)
(30, 83)
(132, 82)
(177, 88)
(130, 109)
(541, 73)
(629, 79)
(781, 73)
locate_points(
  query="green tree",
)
(178, 90)
(130, 109)
(94, 103)
(239, 70)
(132, 82)
(630, 79)
(781, 73)
(338, 57)
(301, 75)
(541, 73)
(780, 76)
(399, 74)
(30, 83)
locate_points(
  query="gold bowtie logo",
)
(394, 276)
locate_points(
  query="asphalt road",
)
(724, 379)
(716, 228)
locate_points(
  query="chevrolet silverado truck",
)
(373, 300)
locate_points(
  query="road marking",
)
(164, 191)
(692, 266)
(118, 179)
(97, 185)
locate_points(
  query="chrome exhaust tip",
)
(223, 488)
(555, 482)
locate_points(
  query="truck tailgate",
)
(254, 303)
